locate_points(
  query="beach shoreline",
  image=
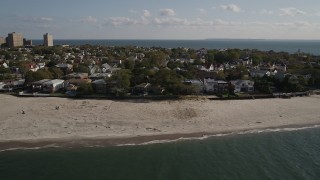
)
(85, 142)
(86, 123)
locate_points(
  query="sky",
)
(161, 19)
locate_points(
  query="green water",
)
(277, 155)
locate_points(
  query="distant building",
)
(2, 40)
(15, 39)
(27, 42)
(47, 40)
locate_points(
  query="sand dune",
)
(131, 118)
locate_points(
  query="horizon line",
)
(205, 39)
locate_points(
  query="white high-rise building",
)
(47, 39)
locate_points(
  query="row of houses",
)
(101, 86)
(218, 86)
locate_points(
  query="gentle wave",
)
(30, 148)
(204, 137)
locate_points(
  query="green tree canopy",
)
(156, 58)
(122, 80)
(81, 69)
(168, 79)
(57, 73)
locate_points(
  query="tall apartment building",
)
(15, 39)
(47, 40)
(2, 40)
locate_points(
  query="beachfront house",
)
(73, 84)
(52, 86)
(215, 86)
(243, 86)
(37, 86)
(12, 85)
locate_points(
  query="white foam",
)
(254, 131)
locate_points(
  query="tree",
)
(256, 59)
(4, 70)
(156, 58)
(233, 55)
(57, 73)
(210, 57)
(129, 64)
(220, 57)
(122, 81)
(51, 64)
(84, 89)
(37, 76)
(168, 79)
(82, 69)
(173, 64)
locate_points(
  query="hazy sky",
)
(161, 19)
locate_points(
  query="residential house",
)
(33, 67)
(66, 68)
(97, 76)
(73, 84)
(12, 85)
(201, 68)
(37, 86)
(115, 63)
(3, 64)
(215, 86)
(281, 67)
(105, 67)
(77, 76)
(52, 86)
(259, 73)
(243, 86)
(94, 69)
(246, 61)
(41, 65)
(267, 67)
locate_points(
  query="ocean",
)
(277, 154)
(290, 46)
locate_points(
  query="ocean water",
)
(287, 154)
(290, 46)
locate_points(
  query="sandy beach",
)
(38, 120)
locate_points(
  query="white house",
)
(52, 86)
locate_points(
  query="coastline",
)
(85, 123)
(82, 142)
